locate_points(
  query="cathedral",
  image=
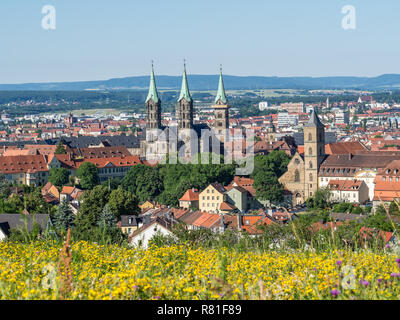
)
(301, 178)
(185, 136)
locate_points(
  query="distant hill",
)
(210, 82)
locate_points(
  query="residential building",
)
(286, 120)
(211, 198)
(293, 107)
(142, 236)
(353, 191)
(342, 117)
(28, 169)
(190, 199)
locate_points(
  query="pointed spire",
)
(314, 120)
(221, 90)
(153, 94)
(185, 93)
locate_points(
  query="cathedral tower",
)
(185, 105)
(314, 153)
(221, 109)
(153, 105)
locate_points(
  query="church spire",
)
(153, 94)
(314, 120)
(185, 93)
(221, 96)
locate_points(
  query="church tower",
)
(221, 109)
(185, 105)
(314, 153)
(153, 105)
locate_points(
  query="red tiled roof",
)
(368, 233)
(190, 195)
(345, 185)
(225, 206)
(128, 161)
(344, 147)
(67, 190)
(23, 164)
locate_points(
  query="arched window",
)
(310, 151)
(297, 176)
(311, 177)
(309, 137)
(310, 164)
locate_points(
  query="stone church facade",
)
(161, 140)
(301, 178)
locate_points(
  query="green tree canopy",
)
(107, 218)
(64, 217)
(122, 203)
(88, 175)
(59, 176)
(92, 204)
(268, 187)
(60, 148)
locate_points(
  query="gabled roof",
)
(219, 187)
(345, 185)
(159, 221)
(16, 221)
(344, 147)
(190, 195)
(368, 233)
(67, 190)
(23, 164)
(225, 206)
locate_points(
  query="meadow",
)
(49, 270)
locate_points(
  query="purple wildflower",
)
(135, 287)
(157, 297)
(335, 292)
(398, 260)
(364, 283)
(395, 274)
(339, 262)
(388, 246)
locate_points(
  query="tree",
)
(35, 203)
(107, 218)
(92, 204)
(4, 187)
(267, 170)
(59, 176)
(64, 218)
(144, 182)
(60, 148)
(322, 198)
(88, 175)
(268, 187)
(122, 203)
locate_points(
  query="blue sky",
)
(100, 39)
